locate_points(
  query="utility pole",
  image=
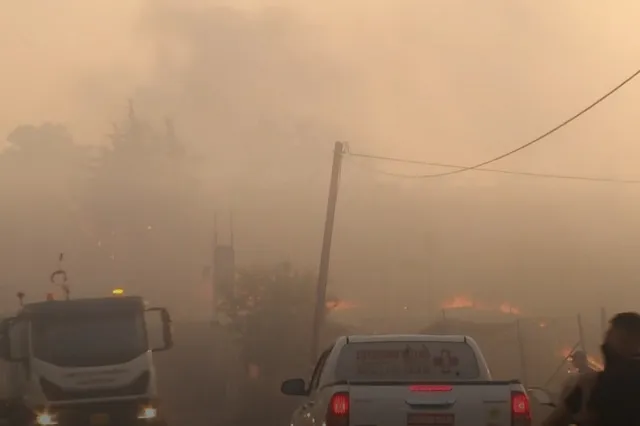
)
(523, 360)
(323, 274)
(603, 320)
(223, 271)
(581, 334)
(214, 292)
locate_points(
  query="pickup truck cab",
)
(406, 380)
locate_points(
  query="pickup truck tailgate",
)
(476, 403)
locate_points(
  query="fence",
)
(530, 349)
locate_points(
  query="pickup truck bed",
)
(407, 380)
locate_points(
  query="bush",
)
(273, 315)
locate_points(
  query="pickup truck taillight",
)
(520, 409)
(338, 410)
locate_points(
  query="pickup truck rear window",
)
(407, 361)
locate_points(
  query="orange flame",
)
(593, 361)
(459, 302)
(508, 308)
(339, 305)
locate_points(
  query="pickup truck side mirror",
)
(294, 387)
(167, 332)
(541, 396)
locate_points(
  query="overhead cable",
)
(539, 138)
(480, 169)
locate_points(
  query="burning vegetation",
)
(461, 302)
(593, 361)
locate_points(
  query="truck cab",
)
(84, 362)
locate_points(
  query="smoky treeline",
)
(235, 108)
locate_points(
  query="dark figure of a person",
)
(610, 397)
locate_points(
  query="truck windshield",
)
(89, 339)
(407, 361)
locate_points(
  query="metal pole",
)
(603, 320)
(214, 292)
(523, 361)
(323, 274)
(564, 360)
(583, 344)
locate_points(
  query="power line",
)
(542, 136)
(480, 169)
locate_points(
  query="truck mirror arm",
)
(5, 342)
(167, 333)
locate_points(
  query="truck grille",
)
(119, 414)
(54, 392)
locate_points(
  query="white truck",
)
(81, 362)
(406, 380)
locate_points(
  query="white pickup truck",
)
(406, 380)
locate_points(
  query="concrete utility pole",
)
(603, 320)
(523, 358)
(223, 270)
(323, 275)
(583, 343)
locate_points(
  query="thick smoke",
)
(259, 92)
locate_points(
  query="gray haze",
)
(259, 91)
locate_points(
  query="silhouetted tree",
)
(277, 303)
(41, 175)
(273, 314)
(142, 200)
(44, 156)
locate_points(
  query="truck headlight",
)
(46, 419)
(148, 413)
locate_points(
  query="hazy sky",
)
(452, 81)
(441, 80)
